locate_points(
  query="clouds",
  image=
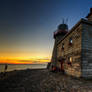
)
(22, 61)
(36, 61)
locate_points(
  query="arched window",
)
(62, 46)
(70, 41)
(71, 59)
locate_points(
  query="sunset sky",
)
(27, 26)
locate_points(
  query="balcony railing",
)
(59, 32)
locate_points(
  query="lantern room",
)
(62, 30)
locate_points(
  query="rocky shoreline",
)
(41, 80)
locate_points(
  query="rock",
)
(20, 89)
(43, 81)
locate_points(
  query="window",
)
(63, 46)
(70, 41)
(70, 59)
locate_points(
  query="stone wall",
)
(90, 18)
(54, 53)
(87, 51)
(73, 51)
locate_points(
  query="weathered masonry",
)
(72, 50)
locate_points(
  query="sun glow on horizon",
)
(24, 60)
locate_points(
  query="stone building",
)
(73, 48)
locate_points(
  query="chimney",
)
(91, 10)
(89, 16)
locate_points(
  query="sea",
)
(12, 67)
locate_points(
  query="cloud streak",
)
(22, 61)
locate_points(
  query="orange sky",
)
(21, 58)
(26, 61)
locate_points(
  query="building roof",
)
(75, 26)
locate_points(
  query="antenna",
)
(66, 20)
(63, 21)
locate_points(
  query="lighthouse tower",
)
(61, 31)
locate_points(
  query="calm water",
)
(22, 67)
